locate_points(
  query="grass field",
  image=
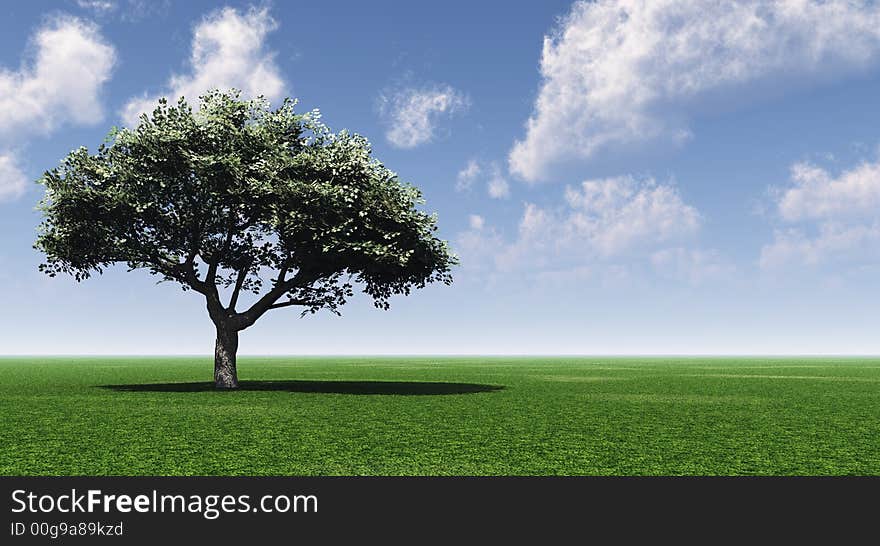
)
(441, 416)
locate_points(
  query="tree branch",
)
(288, 303)
(186, 274)
(211, 275)
(182, 272)
(301, 279)
(242, 275)
(284, 268)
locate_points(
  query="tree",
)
(236, 198)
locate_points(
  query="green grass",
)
(323, 416)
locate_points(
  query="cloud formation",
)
(228, 51)
(476, 222)
(618, 72)
(411, 114)
(13, 181)
(60, 84)
(125, 10)
(692, 265)
(497, 185)
(468, 175)
(828, 217)
(99, 7)
(832, 242)
(816, 194)
(598, 220)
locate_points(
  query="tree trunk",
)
(225, 374)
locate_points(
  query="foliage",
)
(237, 195)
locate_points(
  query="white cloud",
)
(478, 245)
(692, 265)
(412, 113)
(599, 220)
(466, 177)
(100, 7)
(498, 186)
(476, 222)
(830, 218)
(834, 243)
(816, 194)
(616, 213)
(13, 181)
(626, 71)
(61, 84)
(228, 51)
(125, 10)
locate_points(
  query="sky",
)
(617, 177)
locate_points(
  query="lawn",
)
(440, 416)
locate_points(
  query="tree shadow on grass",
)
(405, 388)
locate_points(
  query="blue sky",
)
(618, 177)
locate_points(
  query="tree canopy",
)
(238, 197)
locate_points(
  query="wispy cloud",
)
(692, 265)
(13, 181)
(497, 185)
(468, 175)
(476, 222)
(597, 221)
(99, 7)
(124, 10)
(411, 114)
